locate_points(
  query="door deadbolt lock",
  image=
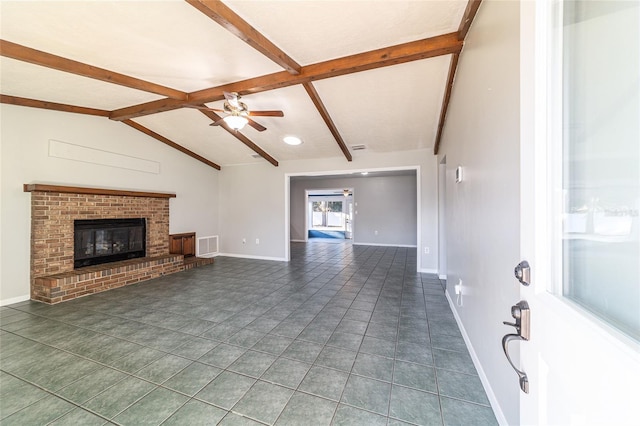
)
(523, 273)
(522, 316)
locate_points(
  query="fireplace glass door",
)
(108, 240)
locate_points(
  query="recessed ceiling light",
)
(292, 140)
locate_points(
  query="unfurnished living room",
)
(319, 212)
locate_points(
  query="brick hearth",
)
(53, 210)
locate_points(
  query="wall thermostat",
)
(458, 174)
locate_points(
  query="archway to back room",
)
(381, 207)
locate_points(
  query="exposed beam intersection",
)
(407, 52)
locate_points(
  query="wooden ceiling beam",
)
(147, 108)
(223, 15)
(169, 142)
(34, 103)
(445, 101)
(399, 54)
(412, 51)
(467, 18)
(393, 55)
(242, 138)
(465, 24)
(37, 57)
(315, 98)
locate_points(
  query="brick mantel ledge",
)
(31, 187)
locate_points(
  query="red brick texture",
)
(53, 278)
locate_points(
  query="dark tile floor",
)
(343, 335)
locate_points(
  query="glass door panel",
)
(601, 160)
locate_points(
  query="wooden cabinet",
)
(184, 244)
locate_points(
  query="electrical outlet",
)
(458, 287)
(426, 250)
(257, 240)
(244, 241)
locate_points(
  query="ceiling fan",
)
(238, 113)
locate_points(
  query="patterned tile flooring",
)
(341, 335)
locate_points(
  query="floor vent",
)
(358, 147)
(207, 246)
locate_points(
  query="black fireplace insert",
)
(108, 240)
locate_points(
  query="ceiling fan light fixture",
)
(236, 122)
(292, 140)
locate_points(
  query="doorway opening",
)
(329, 214)
(396, 222)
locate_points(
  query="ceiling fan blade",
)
(259, 127)
(217, 123)
(204, 108)
(266, 113)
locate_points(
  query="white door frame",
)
(442, 224)
(350, 207)
(306, 208)
(306, 216)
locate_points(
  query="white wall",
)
(254, 201)
(24, 144)
(482, 212)
(386, 204)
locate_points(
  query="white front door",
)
(580, 227)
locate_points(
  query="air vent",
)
(358, 147)
(207, 246)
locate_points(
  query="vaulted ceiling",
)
(345, 73)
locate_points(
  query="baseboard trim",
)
(442, 276)
(383, 245)
(298, 241)
(250, 256)
(495, 405)
(13, 300)
(209, 255)
(428, 271)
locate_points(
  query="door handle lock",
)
(523, 273)
(521, 313)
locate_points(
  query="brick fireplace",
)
(53, 211)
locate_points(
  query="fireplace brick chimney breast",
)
(53, 210)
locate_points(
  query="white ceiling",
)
(173, 44)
